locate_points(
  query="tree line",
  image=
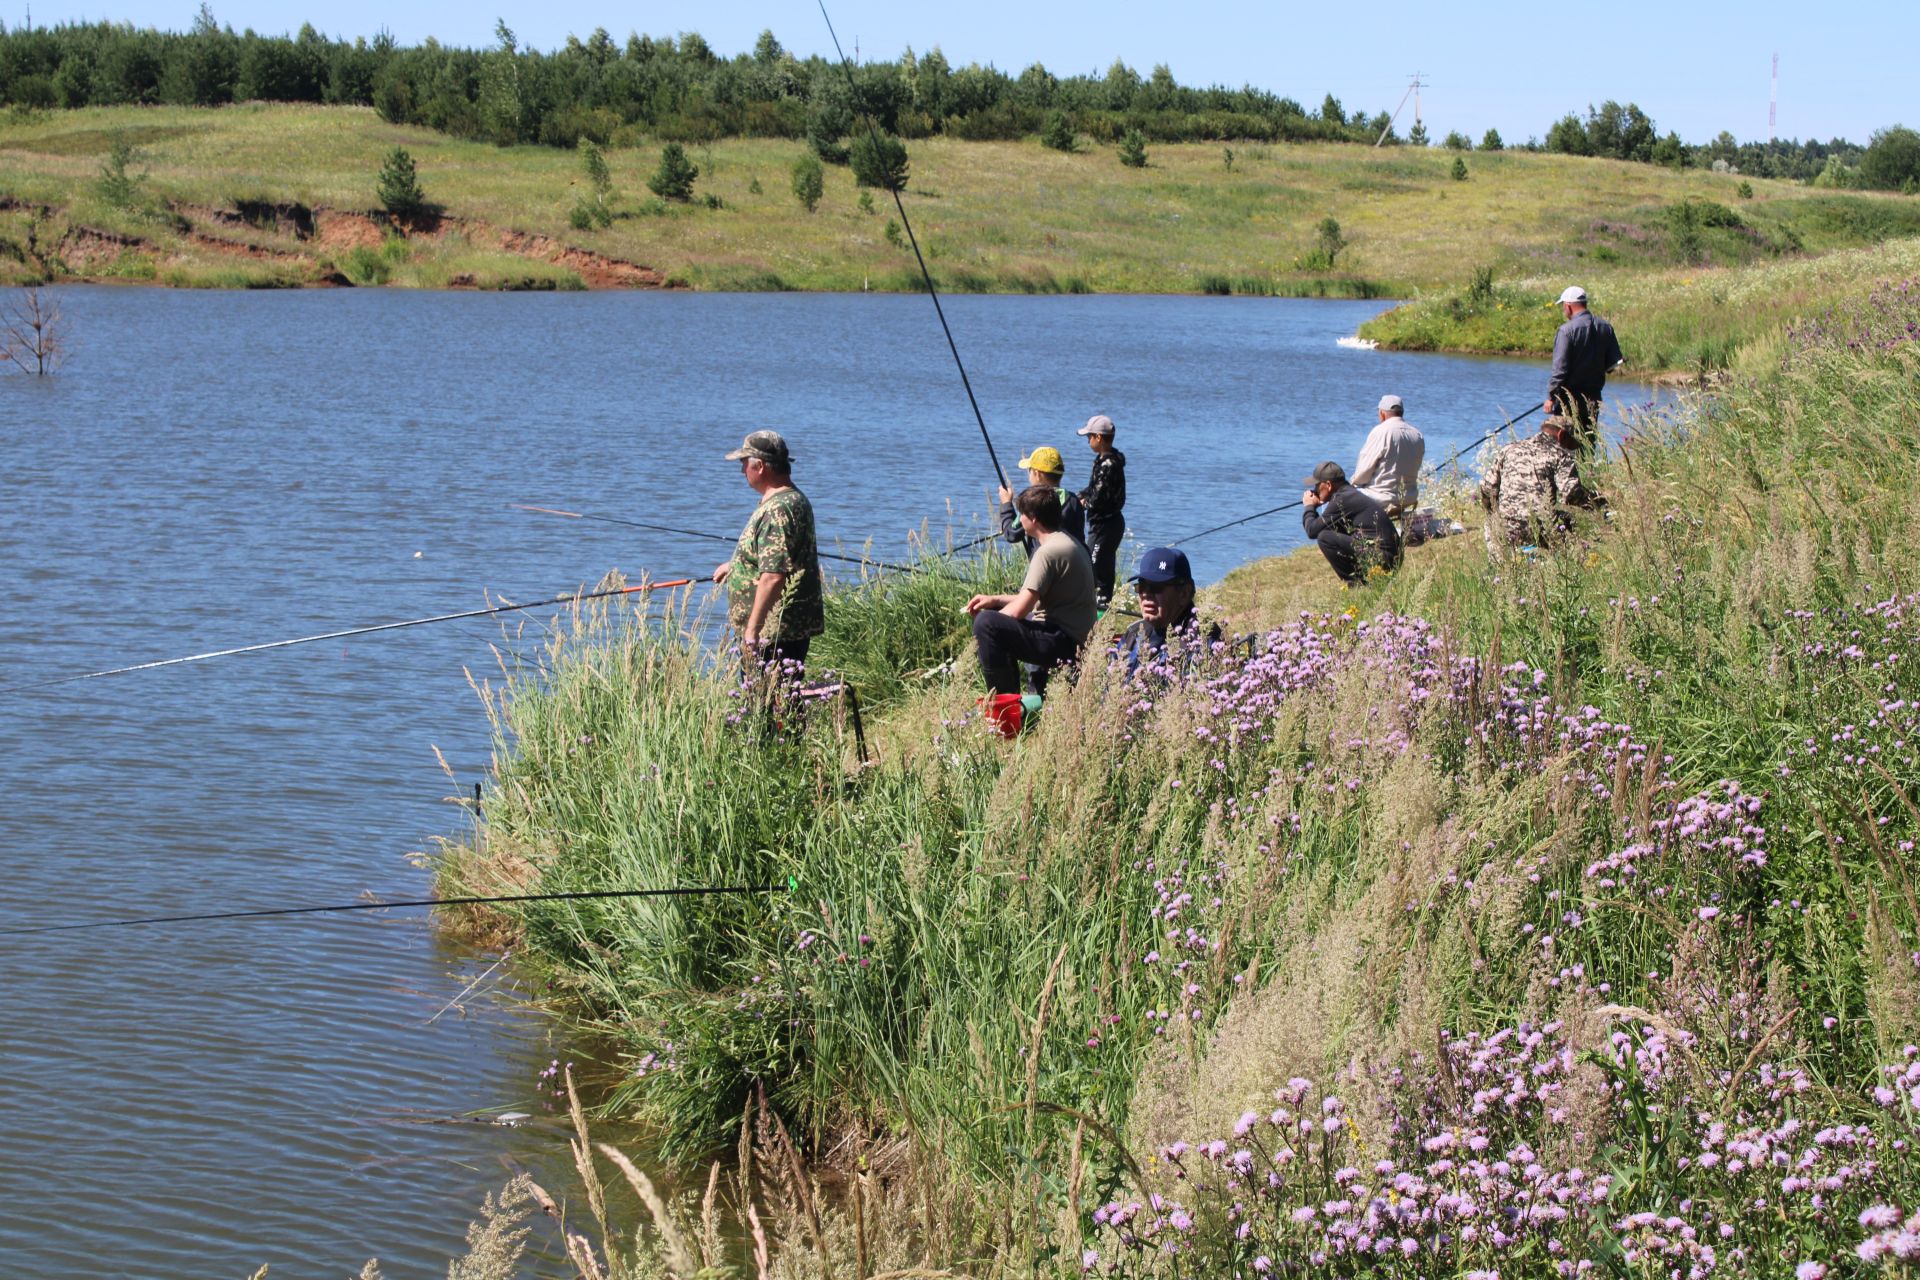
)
(651, 87)
(679, 89)
(1890, 161)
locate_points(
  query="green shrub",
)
(879, 160)
(1459, 171)
(1327, 246)
(865, 202)
(1457, 141)
(1490, 141)
(1746, 190)
(116, 186)
(809, 182)
(398, 186)
(365, 265)
(893, 235)
(673, 179)
(1133, 149)
(1058, 134)
(1892, 159)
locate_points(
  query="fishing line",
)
(714, 537)
(581, 896)
(574, 598)
(873, 135)
(1271, 511)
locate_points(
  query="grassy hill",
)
(263, 195)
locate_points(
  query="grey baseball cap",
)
(1098, 425)
(1392, 402)
(1328, 471)
(766, 446)
(1572, 293)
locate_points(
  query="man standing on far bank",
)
(1584, 350)
(775, 603)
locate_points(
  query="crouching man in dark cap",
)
(1353, 530)
(1169, 630)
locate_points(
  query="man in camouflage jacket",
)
(776, 604)
(1530, 484)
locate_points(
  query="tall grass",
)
(1627, 827)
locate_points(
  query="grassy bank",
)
(225, 191)
(1687, 319)
(1489, 920)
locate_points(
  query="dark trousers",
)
(1585, 413)
(1103, 544)
(1351, 557)
(778, 656)
(1004, 643)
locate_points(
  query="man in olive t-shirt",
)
(1050, 617)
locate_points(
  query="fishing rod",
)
(1301, 502)
(906, 223)
(714, 537)
(581, 896)
(574, 598)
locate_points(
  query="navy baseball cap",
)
(1162, 565)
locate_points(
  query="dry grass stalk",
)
(579, 1248)
(1039, 1036)
(679, 1261)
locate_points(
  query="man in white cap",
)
(1583, 351)
(1389, 466)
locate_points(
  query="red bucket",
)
(1005, 712)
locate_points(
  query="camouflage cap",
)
(766, 446)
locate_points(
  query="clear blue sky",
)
(1844, 69)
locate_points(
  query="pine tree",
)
(1133, 149)
(399, 186)
(673, 180)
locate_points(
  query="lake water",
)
(224, 469)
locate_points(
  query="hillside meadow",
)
(264, 195)
(1545, 916)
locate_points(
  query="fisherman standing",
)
(1584, 350)
(1354, 531)
(1045, 470)
(1103, 498)
(1167, 617)
(1049, 618)
(1389, 467)
(775, 602)
(1530, 484)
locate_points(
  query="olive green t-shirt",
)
(779, 539)
(1062, 576)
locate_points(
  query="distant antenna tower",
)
(1773, 101)
(1413, 91)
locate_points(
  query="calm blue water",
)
(225, 469)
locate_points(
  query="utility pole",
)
(1413, 91)
(1773, 102)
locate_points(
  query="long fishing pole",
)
(574, 598)
(714, 537)
(581, 896)
(873, 135)
(1271, 511)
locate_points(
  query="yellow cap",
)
(1045, 458)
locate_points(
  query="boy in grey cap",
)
(1103, 498)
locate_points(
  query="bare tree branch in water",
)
(32, 336)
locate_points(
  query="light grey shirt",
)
(1389, 467)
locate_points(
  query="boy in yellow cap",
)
(1045, 470)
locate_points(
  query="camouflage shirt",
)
(1528, 485)
(779, 539)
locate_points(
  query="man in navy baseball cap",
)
(1165, 585)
